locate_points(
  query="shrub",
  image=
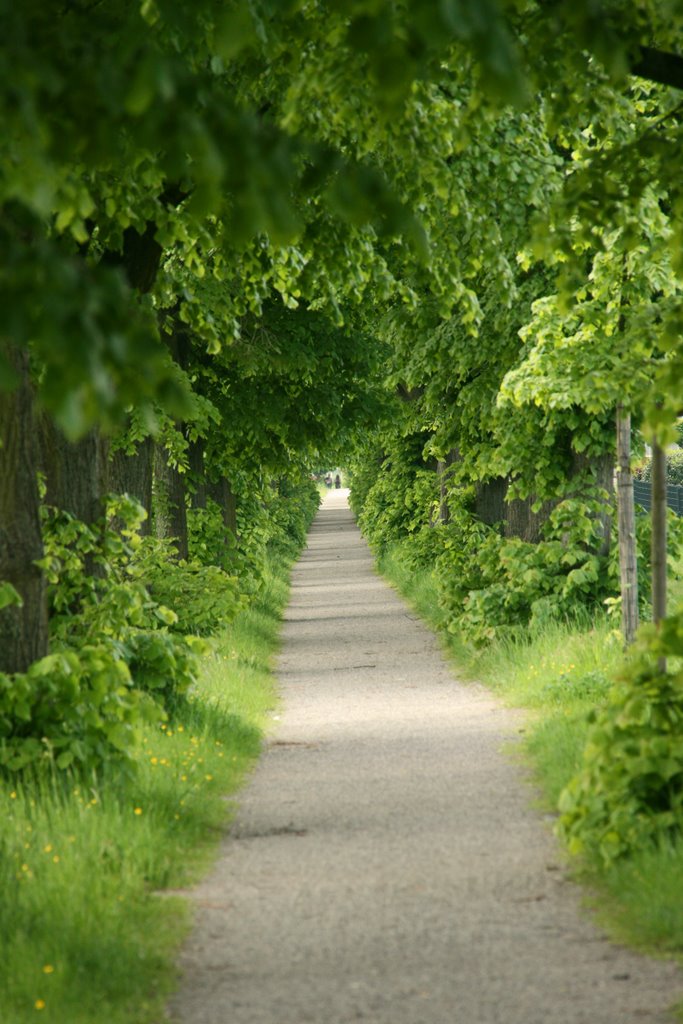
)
(202, 598)
(674, 469)
(113, 664)
(629, 792)
(73, 709)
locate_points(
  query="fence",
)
(674, 496)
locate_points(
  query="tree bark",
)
(195, 453)
(517, 516)
(489, 503)
(23, 630)
(658, 532)
(602, 469)
(132, 474)
(521, 521)
(76, 472)
(628, 558)
(170, 515)
(224, 496)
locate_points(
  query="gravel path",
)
(386, 864)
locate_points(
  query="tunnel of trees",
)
(440, 242)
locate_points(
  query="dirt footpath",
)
(386, 864)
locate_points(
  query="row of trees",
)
(233, 235)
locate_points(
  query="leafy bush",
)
(73, 708)
(401, 503)
(292, 511)
(202, 598)
(492, 586)
(674, 469)
(210, 542)
(629, 792)
(113, 664)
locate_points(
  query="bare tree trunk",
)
(489, 502)
(195, 454)
(23, 630)
(76, 472)
(226, 499)
(628, 558)
(516, 517)
(132, 474)
(170, 515)
(658, 532)
(76, 477)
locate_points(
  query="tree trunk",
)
(226, 499)
(658, 532)
(489, 503)
(23, 630)
(76, 477)
(76, 473)
(195, 453)
(170, 516)
(628, 558)
(521, 521)
(132, 474)
(601, 468)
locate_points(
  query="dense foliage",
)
(240, 239)
(629, 792)
(126, 617)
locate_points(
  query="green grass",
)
(559, 674)
(88, 929)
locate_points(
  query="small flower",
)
(48, 969)
(55, 859)
(138, 810)
(13, 795)
(208, 778)
(154, 760)
(48, 848)
(39, 1004)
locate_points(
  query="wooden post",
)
(628, 557)
(658, 532)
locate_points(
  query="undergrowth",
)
(88, 929)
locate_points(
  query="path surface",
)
(386, 865)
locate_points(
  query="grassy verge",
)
(86, 934)
(560, 674)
